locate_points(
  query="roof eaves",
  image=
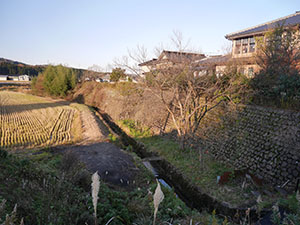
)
(231, 36)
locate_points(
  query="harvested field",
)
(30, 121)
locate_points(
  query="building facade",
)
(244, 46)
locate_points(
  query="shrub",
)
(278, 55)
(117, 74)
(55, 80)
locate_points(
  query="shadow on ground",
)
(114, 165)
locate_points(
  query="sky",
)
(82, 33)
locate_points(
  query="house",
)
(106, 78)
(244, 46)
(99, 80)
(244, 49)
(215, 64)
(148, 66)
(3, 77)
(129, 78)
(13, 77)
(24, 77)
(169, 59)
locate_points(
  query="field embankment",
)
(124, 101)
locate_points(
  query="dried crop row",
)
(31, 124)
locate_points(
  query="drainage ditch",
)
(170, 176)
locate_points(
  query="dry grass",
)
(95, 192)
(157, 199)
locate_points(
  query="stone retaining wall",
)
(265, 141)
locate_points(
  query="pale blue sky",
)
(81, 33)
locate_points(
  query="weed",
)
(112, 138)
(135, 129)
(291, 203)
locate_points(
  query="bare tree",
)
(278, 51)
(186, 97)
(159, 48)
(226, 48)
(179, 42)
(95, 68)
(130, 62)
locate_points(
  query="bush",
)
(278, 82)
(43, 195)
(117, 74)
(282, 91)
(55, 80)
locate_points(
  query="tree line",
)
(15, 69)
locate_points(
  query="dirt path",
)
(93, 128)
(114, 165)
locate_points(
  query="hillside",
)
(11, 67)
(3, 60)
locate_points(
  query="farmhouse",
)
(106, 78)
(24, 77)
(15, 77)
(3, 77)
(244, 48)
(169, 59)
(244, 44)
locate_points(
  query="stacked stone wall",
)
(265, 141)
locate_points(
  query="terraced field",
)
(29, 121)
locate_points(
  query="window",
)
(252, 45)
(237, 47)
(245, 45)
(250, 72)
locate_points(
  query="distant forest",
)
(19, 69)
(7, 68)
(10, 67)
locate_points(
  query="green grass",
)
(203, 175)
(55, 189)
(187, 161)
(135, 129)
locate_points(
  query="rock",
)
(255, 193)
(268, 193)
(295, 173)
(281, 190)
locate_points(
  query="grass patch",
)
(135, 129)
(201, 174)
(55, 189)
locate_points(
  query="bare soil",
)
(113, 164)
(93, 129)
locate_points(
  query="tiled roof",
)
(213, 60)
(149, 62)
(179, 56)
(173, 56)
(222, 60)
(289, 20)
